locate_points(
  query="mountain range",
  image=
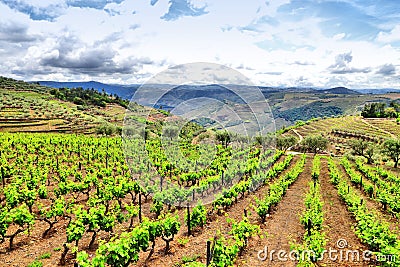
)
(288, 105)
(127, 91)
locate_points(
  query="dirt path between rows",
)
(282, 227)
(337, 224)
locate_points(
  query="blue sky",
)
(353, 43)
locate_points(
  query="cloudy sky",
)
(353, 43)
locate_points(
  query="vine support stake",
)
(188, 219)
(140, 207)
(309, 227)
(3, 179)
(208, 260)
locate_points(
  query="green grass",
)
(35, 263)
(46, 255)
(183, 241)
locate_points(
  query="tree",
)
(259, 140)
(395, 105)
(391, 148)
(374, 110)
(369, 153)
(106, 128)
(78, 101)
(264, 141)
(223, 137)
(314, 143)
(358, 146)
(363, 148)
(171, 132)
(284, 142)
(390, 112)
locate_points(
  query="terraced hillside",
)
(28, 107)
(341, 130)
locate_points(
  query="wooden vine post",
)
(188, 219)
(309, 225)
(3, 178)
(140, 207)
(209, 254)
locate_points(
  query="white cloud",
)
(388, 37)
(271, 47)
(339, 36)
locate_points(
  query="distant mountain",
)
(186, 92)
(339, 91)
(123, 91)
(288, 104)
(173, 97)
(378, 91)
(286, 89)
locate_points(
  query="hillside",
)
(342, 130)
(29, 107)
(288, 104)
(123, 91)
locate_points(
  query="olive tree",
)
(314, 143)
(391, 148)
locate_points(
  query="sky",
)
(351, 43)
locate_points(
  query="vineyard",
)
(73, 199)
(75, 193)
